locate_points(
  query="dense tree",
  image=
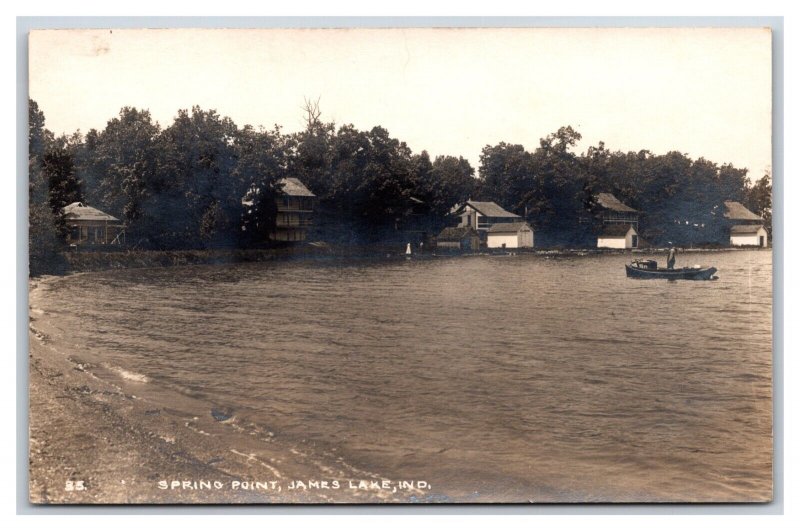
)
(63, 184)
(546, 186)
(44, 245)
(204, 182)
(679, 199)
(759, 200)
(452, 182)
(118, 163)
(261, 161)
(195, 199)
(507, 176)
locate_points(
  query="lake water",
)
(507, 378)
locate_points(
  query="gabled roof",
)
(81, 212)
(293, 187)
(456, 234)
(610, 202)
(746, 229)
(489, 209)
(616, 230)
(737, 211)
(508, 227)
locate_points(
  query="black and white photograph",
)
(400, 265)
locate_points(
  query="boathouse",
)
(748, 235)
(618, 236)
(514, 235)
(458, 239)
(615, 219)
(295, 211)
(89, 226)
(745, 228)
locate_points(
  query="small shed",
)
(749, 227)
(618, 236)
(458, 239)
(748, 235)
(88, 225)
(509, 235)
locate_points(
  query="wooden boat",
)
(650, 269)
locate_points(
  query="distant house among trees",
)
(458, 239)
(619, 223)
(612, 211)
(513, 235)
(618, 236)
(480, 215)
(89, 226)
(745, 227)
(295, 211)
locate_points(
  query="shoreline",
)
(92, 442)
(99, 439)
(87, 261)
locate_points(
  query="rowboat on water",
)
(650, 269)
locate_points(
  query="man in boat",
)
(671, 256)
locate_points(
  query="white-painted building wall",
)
(612, 242)
(739, 240)
(618, 242)
(523, 238)
(496, 241)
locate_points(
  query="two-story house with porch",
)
(295, 211)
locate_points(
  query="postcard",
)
(400, 265)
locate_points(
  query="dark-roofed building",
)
(89, 226)
(458, 238)
(512, 235)
(615, 219)
(612, 210)
(746, 228)
(295, 211)
(618, 236)
(480, 215)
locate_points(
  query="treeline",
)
(680, 199)
(181, 187)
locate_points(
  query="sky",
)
(704, 92)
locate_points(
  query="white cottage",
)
(618, 236)
(748, 235)
(509, 236)
(750, 229)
